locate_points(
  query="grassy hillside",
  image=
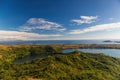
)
(57, 66)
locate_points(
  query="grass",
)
(57, 66)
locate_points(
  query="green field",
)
(56, 66)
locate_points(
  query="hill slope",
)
(72, 66)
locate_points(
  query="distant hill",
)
(107, 41)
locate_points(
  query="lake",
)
(110, 52)
(29, 58)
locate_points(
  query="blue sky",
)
(59, 19)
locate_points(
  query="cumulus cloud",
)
(17, 35)
(109, 26)
(85, 20)
(41, 24)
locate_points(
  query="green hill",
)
(72, 66)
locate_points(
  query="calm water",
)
(110, 52)
(29, 58)
(61, 42)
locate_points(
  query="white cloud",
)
(109, 26)
(17, 35)
(85, 20)
(41, 24)
(111, 18)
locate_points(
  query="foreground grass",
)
(57, 66)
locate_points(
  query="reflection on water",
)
(110, 52)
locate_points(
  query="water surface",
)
(29, 58)
(110, 52)
(60, 42)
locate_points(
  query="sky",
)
(59, 19)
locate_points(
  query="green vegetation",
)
(57, 66)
